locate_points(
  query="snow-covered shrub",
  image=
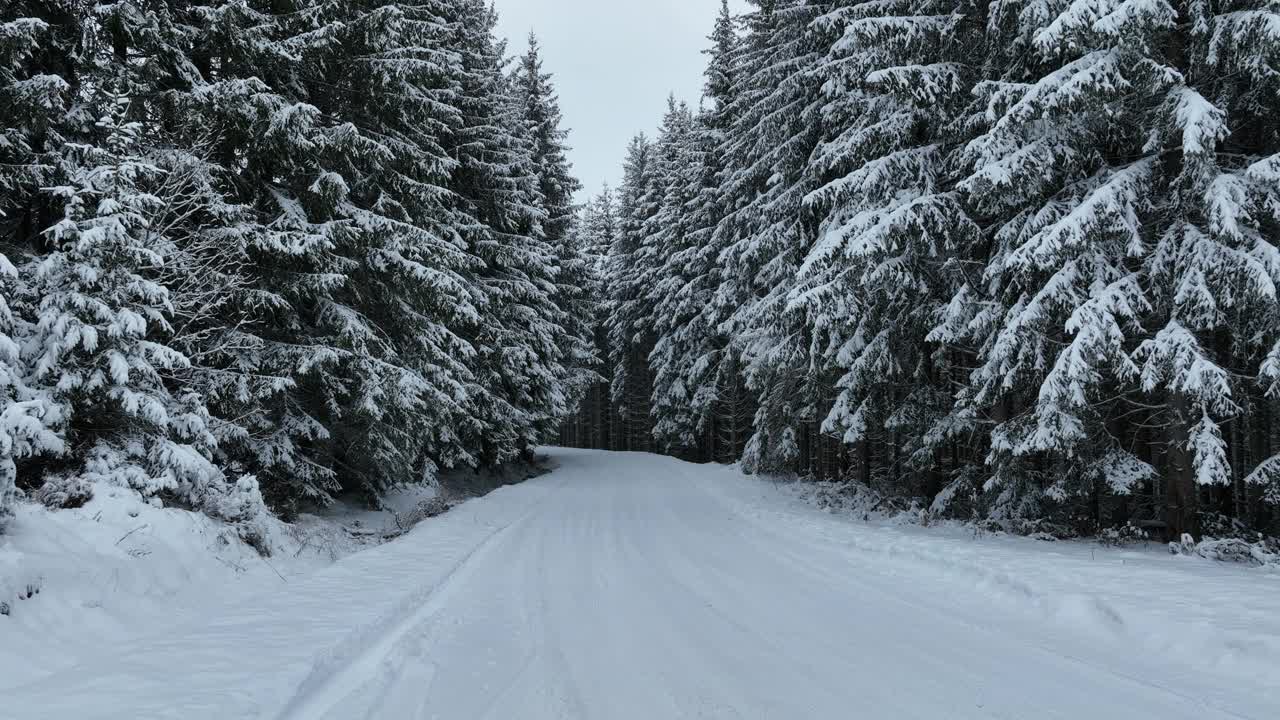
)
(1235, 550)
(988, 526)
(241, 504)
(1217, 525)
(64, 492)
(1043, 529)
(1126, 534)
(844, 497)
(25, 430)
(425, 509)
(181, 474)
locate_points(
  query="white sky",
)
(615, 62)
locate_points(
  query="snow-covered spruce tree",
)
(890, 222)
(629, 270)
(1213, 268)
(575, 280)
(696, 383)
(1240, 46)
(258, 81)
(1058, 178)
(36, 79)
(32, 102)
(1088, 130)
(652, 223)
(94, 167)
(542, 125)
(516, 394)
(381, 85)
(99, 336)
(206, 239)
(675, 167)
(30, 418)
(595, 231)
(764, 236)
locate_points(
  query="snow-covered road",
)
(632, 586)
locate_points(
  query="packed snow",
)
(634, 586)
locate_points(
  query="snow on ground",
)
(632, 586)
(83, 580)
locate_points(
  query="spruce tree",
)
(542, 124)
(889, 222)
(629, 344)
(99, 337)
(764, 235)
(696, 380)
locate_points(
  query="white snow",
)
(120, 568)
(633, 586)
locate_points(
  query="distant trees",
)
(255, 254)
(1008, 264)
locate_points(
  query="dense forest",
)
(255, 254)
(1011, 261)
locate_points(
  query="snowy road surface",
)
(631, 586)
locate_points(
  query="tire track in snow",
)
(331, 683)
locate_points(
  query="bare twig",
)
(140, 527)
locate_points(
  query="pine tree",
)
(764, 235)
(519, 391)
(889, 222)
(98, 338)
(543, 125)
(629, 345)
(695, 377)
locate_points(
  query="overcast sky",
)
(615, 61)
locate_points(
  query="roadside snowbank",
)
(305, 634)
(77, 582)
(1218, 617)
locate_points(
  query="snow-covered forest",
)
(254, 254)
(315, 354)
(1012, 260)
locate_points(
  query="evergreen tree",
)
(696, 380)
(629, 345)
(249, 106)
(889, 224)
(379, 190)
(98, 338)
(32, 103)
(543, 125)
(519, 338)
(764, 235)
(597, 230)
